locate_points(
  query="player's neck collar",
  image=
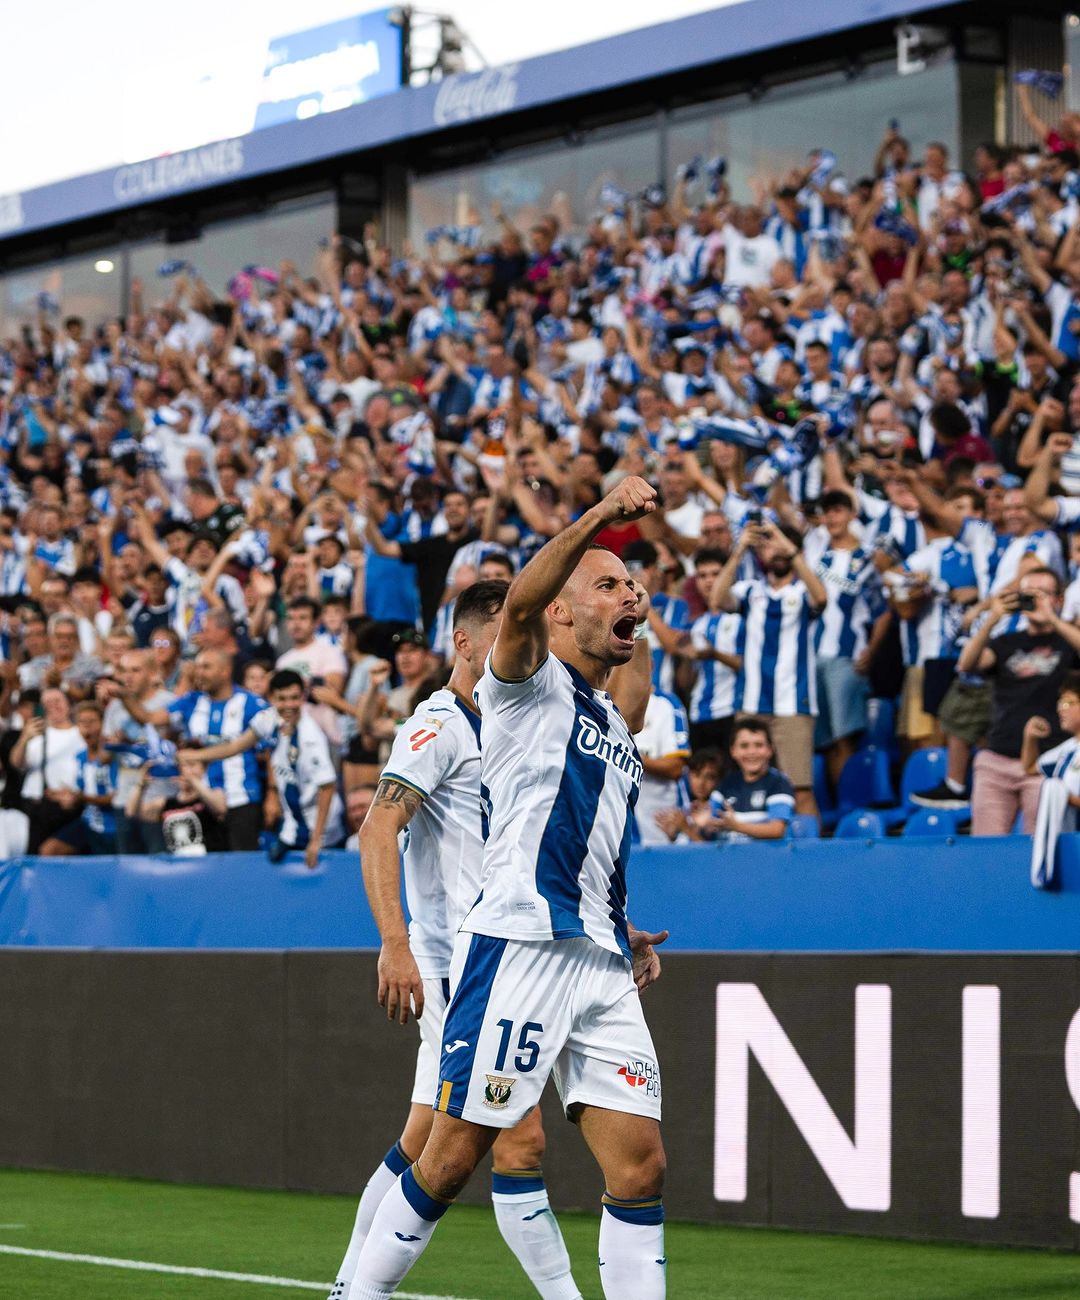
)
(579, 680)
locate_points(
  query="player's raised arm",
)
(399, 976)
(522, 642)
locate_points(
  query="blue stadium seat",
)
(860, 824)
(805, 827)
(923, 770)
(929, 821)
(865, 781)
(822, 794)
(880, 725)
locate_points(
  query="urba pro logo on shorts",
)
(592, 741)
(497, 1091)
(641, 1074)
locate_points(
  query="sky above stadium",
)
(565, 23)
(173, 78)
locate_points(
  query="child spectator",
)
(692, 821)
(758, 800)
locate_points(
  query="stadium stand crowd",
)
(859, 398)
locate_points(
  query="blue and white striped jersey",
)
(987, 546)
(997, 557)
(827, 327)
(12, 572)
(563, 774)
(58, 555)
(437, 753)
(212, 721)
(95, 776)
(687, 390)
(190, 606)
(675, 613)
(337, 580)
(301, 766)
(1065, 316)
(778, 675)
(883, 519)
(821, 393)
(1063, 762)
(713, 695)
(853, 587)
(932, 635)
(792, 239)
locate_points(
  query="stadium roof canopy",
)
(741, 29)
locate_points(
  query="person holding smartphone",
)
(1026, 670)
(46, 752)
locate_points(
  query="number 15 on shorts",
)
(527, 1049)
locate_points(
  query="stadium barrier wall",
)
(929, 893)
(928, 1096)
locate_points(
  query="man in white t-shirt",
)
(47, 751)
(682, 511)
(750, 254)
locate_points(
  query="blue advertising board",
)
(926, 894)
(328, 68)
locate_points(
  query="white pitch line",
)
(143, 1266)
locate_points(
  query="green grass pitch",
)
(299, 1236)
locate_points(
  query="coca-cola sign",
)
(465, 97)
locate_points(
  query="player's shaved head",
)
(596, 609)
(597, 562)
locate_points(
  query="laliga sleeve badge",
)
(497, 1091)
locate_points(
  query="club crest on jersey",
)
(497, 1091)
(592, 741)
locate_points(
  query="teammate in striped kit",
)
(852, 625)
(430, 790)
(778, 678)
(218, 711)
(716, 644)
(544, 967)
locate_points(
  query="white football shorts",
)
(426, 1079)
(522, 1010)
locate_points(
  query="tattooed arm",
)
(399, 977)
